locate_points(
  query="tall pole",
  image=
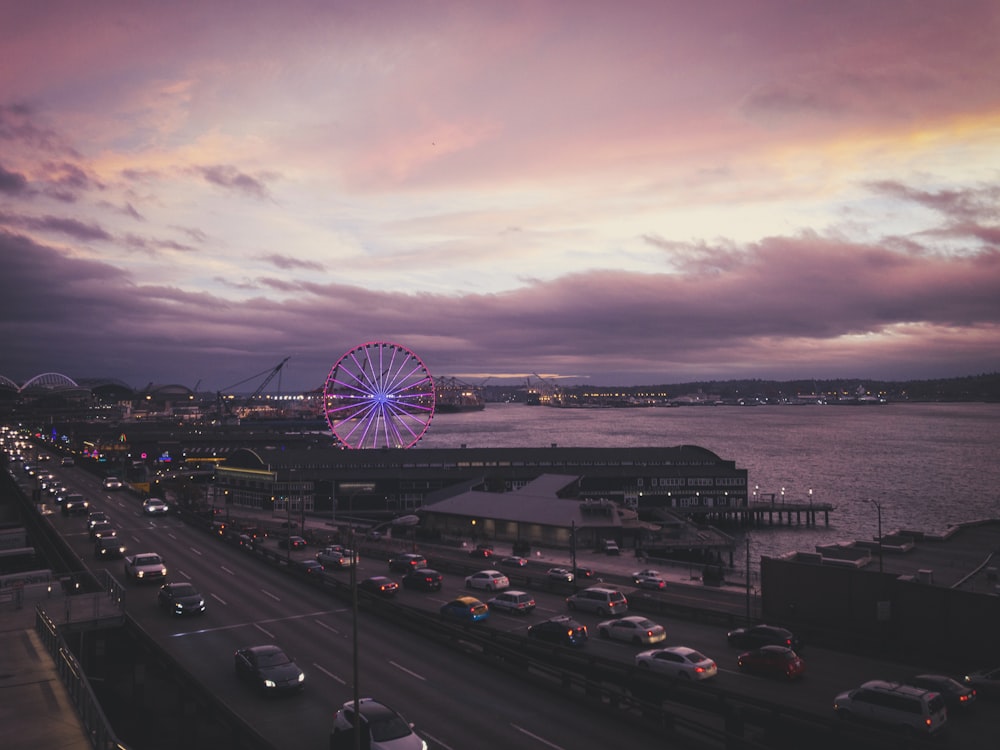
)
(748, 579)
(878, 508)
(354, 643)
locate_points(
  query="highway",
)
(454, 701)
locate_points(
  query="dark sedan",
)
(561, 630)
(957, 697)
(380, 585)
(763, 635)
(269, 669)
(180, 598)
(772, 661)
(109, 548)
(292, 542)
(307, 567)
(423, 579)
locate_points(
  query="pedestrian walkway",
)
(36, 710)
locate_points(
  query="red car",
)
(772, 661)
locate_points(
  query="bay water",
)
(927, 465)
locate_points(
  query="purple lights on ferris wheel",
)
(379, 395)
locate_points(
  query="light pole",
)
(878, 507)
(748, 579)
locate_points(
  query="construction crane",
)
(224, 408)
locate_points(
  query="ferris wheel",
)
(379, 395)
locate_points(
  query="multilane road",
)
(454, 702)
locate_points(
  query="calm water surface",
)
(927, 465)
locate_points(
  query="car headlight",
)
(270, 683)
(302, 676)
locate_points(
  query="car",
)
(611, 547)
(96, 516)
(109, 548)
(894, 706)
(957, 696)
(269, 669)
(112, 483)
(561, 630)
(602, 600)
(103, 529)
(292, 542)
(145, 566)
(337, 559)
(481, 552)
(985, 681)
(585, 572)
(67, 461)
(465, 608)
(490, 580)
(677, 661)
(423, 579)
(517, 602)
(307, 567)
(406, 562)
(180, 598)
(75, 504)
(772, 661)
(154, 506)
(560, 575)
(763, 635)
(632, 629)
(381, 585)
(513, 561)
(383, 728)
(648, 579)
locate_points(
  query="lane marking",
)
(533, 736)
(196, 551)
(220, 600)
(265, 631)
(408, 671)
(328, 627)
(329, 674)
(224, 569)
(268, 593)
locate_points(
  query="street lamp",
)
(782, 495)
(748, 579)
(878, 507)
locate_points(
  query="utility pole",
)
(748, 580)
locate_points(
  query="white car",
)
(633, 629)
(560, 574)
(384, 728)
(154, 507)
(145, 566)
(677, 661)
(113, 483)
(491, 580)
(648, 579)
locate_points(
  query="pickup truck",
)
(145, 566)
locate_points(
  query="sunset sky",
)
(609, 193)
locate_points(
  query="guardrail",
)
(98, 727)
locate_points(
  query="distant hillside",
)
(970, 388)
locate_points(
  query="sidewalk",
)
(35, 706)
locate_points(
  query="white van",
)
(894, 705)
(599, 599)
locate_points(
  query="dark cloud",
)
(12, 182)
(288, 262)
(232, 179)
(789, 306)
(74, 228)
(18, 124)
